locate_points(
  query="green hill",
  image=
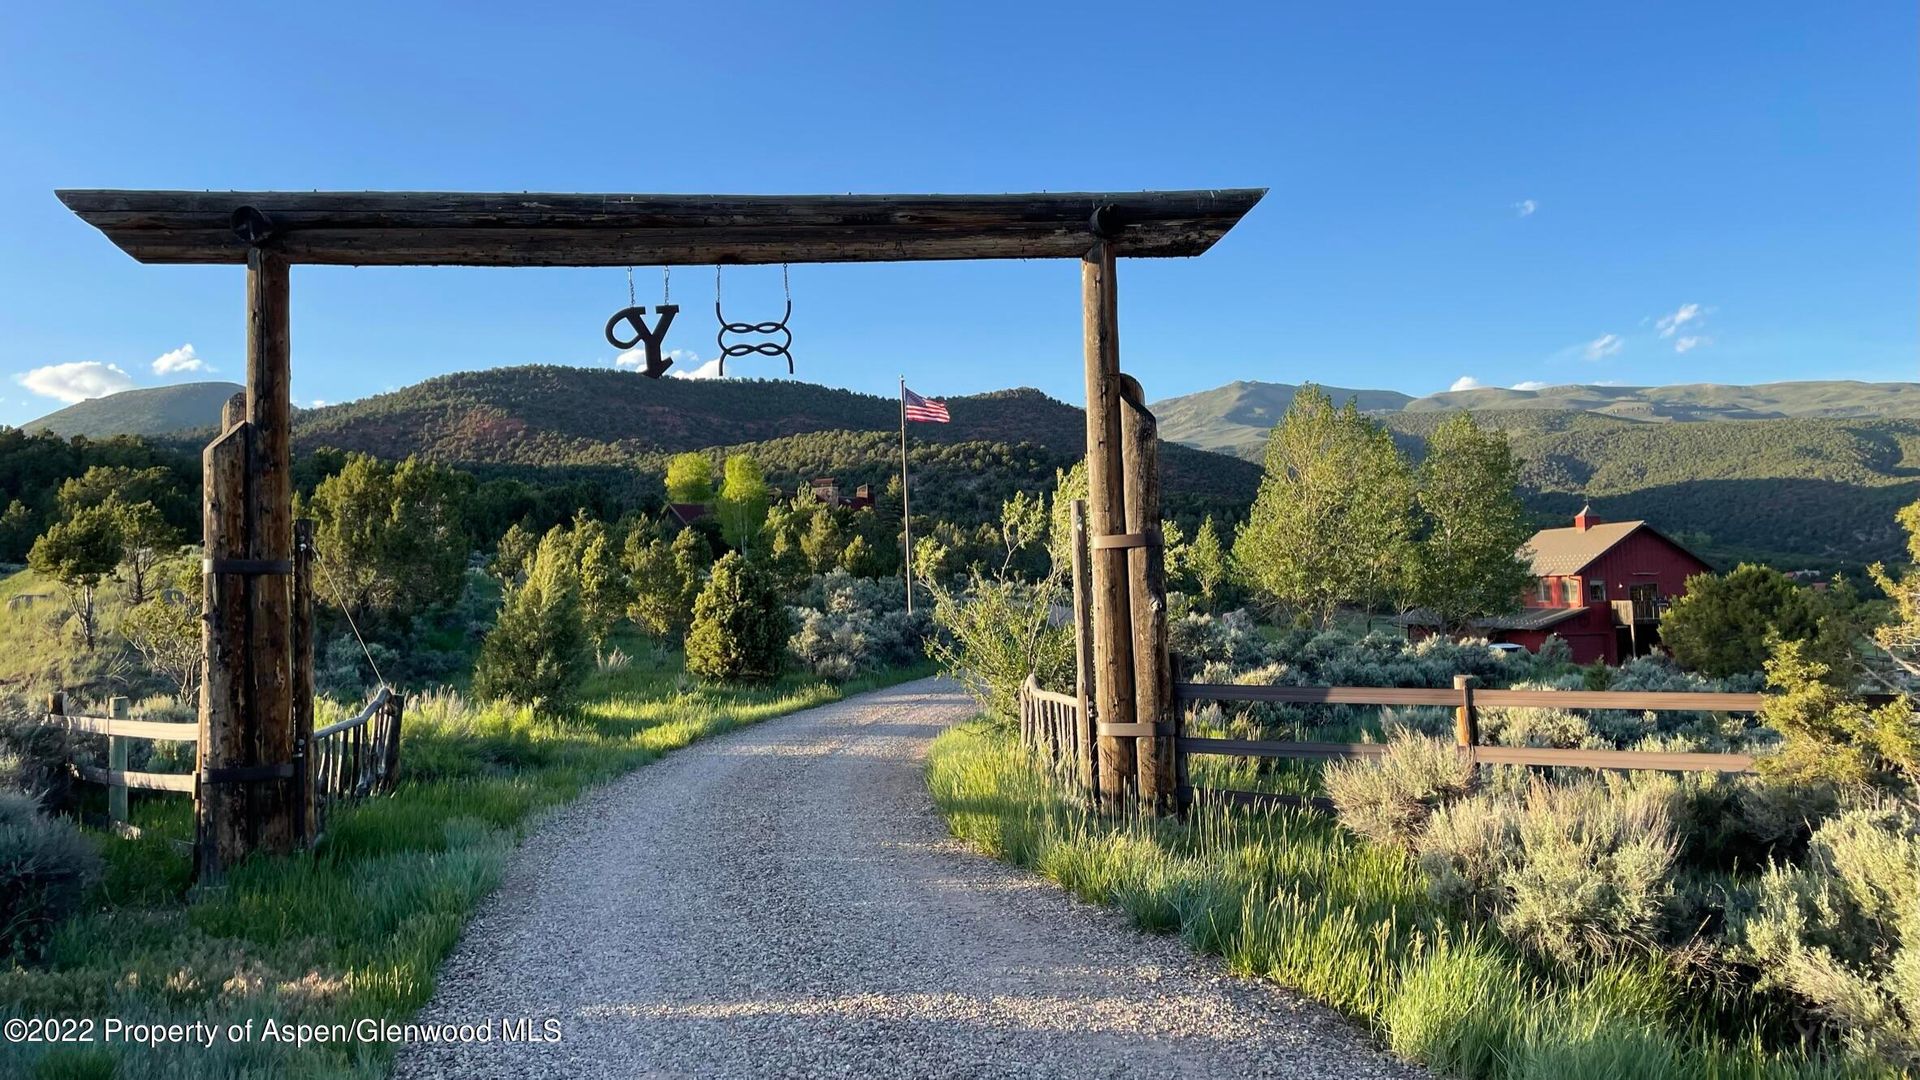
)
(154, 410)
(547, 420)
(1697, 401)
(1235, 418)
(1804, 492)
(1231, 418)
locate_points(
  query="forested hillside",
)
(551, 421)
(1798, 492)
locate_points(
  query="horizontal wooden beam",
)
(129, 729)
(148, 781)
(1633, 700)
(527, 229)
(1262, 748)
(1316, 695)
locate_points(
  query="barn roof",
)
(1559, 552)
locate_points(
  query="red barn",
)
(1600, 585)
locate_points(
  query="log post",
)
(1106, 511)
(235, 410)
(1466, 718)
(390, 769)
(269, 716)
(1147, 592)
(1087, 761)
(220, 809)
(306, 820)
(118, 708)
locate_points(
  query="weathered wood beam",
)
(1147, 600)
(507, 229)
(1112, 622)
(269, 715)
(220, 810)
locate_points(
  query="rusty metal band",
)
(1126, 540)
(1136, 731)
(251, 567)
(246, 774)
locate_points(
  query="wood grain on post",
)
(1106, 512)
(306, 818)
(1147, 599)
(1466, 718)
(1088, 761)
(118, 708)
(220, 810)
(234, 411)
(390, 769)
(270, 538)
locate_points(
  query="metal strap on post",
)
(1142, 730)
(248, 567)
(247, 774)
(1127, 540)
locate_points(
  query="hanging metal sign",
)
(762, 329)
(651, 336)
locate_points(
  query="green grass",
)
(357, 927)
(1289, 895)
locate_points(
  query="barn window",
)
(1572, 592)
(1596, 590)
(1543, 590)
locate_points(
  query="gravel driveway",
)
(784, 901)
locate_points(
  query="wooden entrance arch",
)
(250, 750)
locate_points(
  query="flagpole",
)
(906, 516)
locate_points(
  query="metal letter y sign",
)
(636, 317)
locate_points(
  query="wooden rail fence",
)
(354, 758)
(1051, 723)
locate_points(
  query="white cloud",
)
(318, 403)
(1670, 325)
(1525, 207)
(178, 360)
(1466, 382)
(1603, 346)
(76, 381)
(708, 370)
(1691, 342)
(635, 359)
(1530, 384)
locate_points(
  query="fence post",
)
(305, 824)
(396, 709)
(118, 708)
(1083, 731)
(1147, 604)
(1466, 718)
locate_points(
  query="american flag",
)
(925, 410)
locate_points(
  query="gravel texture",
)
(785, 901)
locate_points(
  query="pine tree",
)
(1207, 565)
(1468, 564)
(537, 653)
(1333, 521)
(603, 583)
(740, 625)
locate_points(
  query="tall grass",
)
(1288, 895)
(357, 927)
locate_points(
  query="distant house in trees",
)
(688, 513)
(824, 488)
(827, 490)
(1602, 586)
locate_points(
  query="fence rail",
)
(354, 758)
(1050, 725)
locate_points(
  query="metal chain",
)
(666, 285)
(630, 301)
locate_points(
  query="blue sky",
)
(1509, 193)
